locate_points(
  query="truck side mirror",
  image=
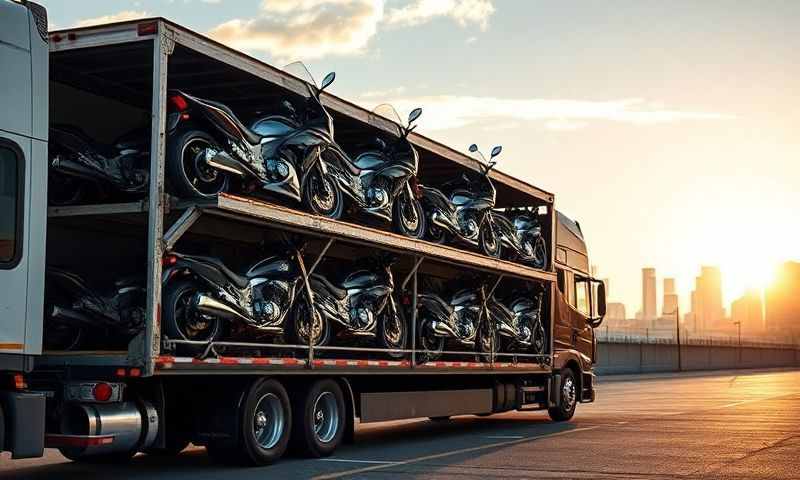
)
(601, 299)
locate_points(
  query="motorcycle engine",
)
(378, 194)
(362, 317)
(266, 311)
(267, 306)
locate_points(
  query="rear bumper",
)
(23, 414)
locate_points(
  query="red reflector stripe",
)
(52, 440)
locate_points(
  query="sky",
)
(667, 129)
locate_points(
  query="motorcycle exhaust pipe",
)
(210, 306)
(69, 167)
(222, 161)
(442, 329)
(70, 315)
(506, 330)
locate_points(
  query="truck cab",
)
(579, 303)
(23, 211)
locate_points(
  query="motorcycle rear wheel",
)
(178, 319)
(187, 172)
(301, 328)
(489, 243)
(64, 189)
(430, 345)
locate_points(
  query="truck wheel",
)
(320, 422)
(568, 397)
(187, 170)
(179, 320)
(265, 424)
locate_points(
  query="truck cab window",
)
(10, 201)
(582, 296)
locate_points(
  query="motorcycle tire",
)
(401, 340)
(299, 314)
(486, 343)
(175, 303)
(399, 219)
(490, 246)
(65, 190)
(332, 205)
(192, 179)
(429, 346)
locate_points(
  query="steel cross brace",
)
(309, 294)
(485, 309)
(181, 226)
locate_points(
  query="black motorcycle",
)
(520, 236)
(200, 293)
(81, 167)
(280, 154)
(362, 305)
(462, 214)
(77, 314)
(519, 325)
(463, 320)
(381, 181)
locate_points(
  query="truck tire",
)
(320, 419)
(265, 424)
(567, 397)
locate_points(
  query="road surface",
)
(722, 425)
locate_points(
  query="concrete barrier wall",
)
(649, 358)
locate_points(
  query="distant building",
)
(782, 300)
(747, 309)
(649, 312)
(670, 302)
(615, 311)
(707, 310)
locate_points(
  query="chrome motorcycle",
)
(462, 213)
(520, 236)
(382, 181)
(519, 325)
(280, 154)
(80, 166)
(362, 305)
(200, 293)
(463, 319)
(76, 313)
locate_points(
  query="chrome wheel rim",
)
(311, 325)
(409, 215)
(489, 241)
(568, 393)
(393, 329)
(322, 195)
(268, 421)
(326, 417)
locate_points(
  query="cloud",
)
(448, 111)
(465, 12)
(471, 40)
(384, 93)
(115, 17)
(305, 28)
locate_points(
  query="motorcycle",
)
(463, 213)
(76, 313)
(200, 293)
(281, 154)
(520, 236)
(362, 305)
(519, 325)
(78, 165)
(463, 319)
(381, 181)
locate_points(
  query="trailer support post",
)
(162, 48)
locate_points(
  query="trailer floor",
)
(720, 425)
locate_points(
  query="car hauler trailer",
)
(240, 397)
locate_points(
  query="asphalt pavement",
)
(718, 425)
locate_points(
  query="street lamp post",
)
(678, 334)
(739, 328)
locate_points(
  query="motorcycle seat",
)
(235, 278)
(249, 135)
(337, 292)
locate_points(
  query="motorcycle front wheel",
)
(322, 195)
(408, 218)
(181, 321)
(187, 170)
(538, 338)
(308, 326)
(392, 331)
(430, 345)
(489, 243)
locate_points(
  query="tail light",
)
(179, 102)
(100, 392)
(169, 260)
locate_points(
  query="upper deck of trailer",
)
(202, 65)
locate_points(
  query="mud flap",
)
(23, 414)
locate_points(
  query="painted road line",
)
(357, 471)
(350, 460)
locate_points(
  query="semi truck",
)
(245, 398)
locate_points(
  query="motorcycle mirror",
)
(326, 82)
(414, 115)
(496, 151)
(473, 148)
